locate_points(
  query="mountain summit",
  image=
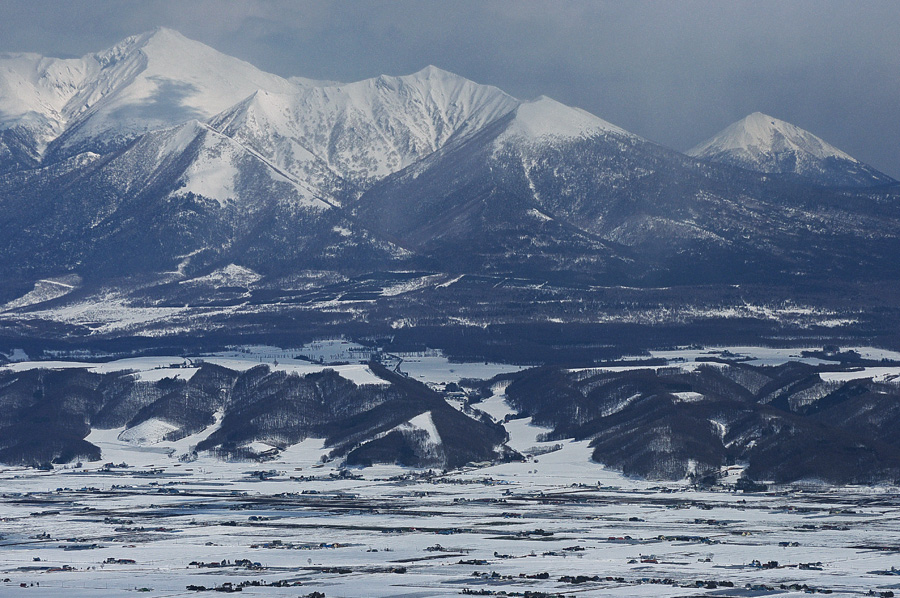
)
(763, 143)
(59, 108)
(349, 136)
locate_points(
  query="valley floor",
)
(556, 524)
(144, 521)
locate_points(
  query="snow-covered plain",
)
(437, 368)
(395, 532)
(301, 524)
(278, 359)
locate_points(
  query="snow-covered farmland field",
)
(294, 527)
(143, 522)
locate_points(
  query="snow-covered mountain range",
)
(160, 195)
(362, 132)
(161, 155)
(335, 139)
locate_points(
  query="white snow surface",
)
(229, 276)
(34, 92)
(757, 141)
(211, 164)
(425, 423)
(877, 374)
(591, 522)
(44, 290)
(758, 356)
(151, 431)
(366, 130)
(437, 368)
(156, 368)
(545, 118)
(759, 134)
(157, 79)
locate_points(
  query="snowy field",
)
(143, 522)
(294, 526)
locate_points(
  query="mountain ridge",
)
(321, 181)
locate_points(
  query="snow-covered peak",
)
(766, 144)
(34, 92)
(759, 137)
(431, 71)
(545, 118)
(436, 76)
(443, 103)
(210, 80)
(361, 132)
(153, 80)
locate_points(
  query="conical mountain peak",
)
(766, 144)
(762, 133)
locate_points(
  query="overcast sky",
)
(675, 72)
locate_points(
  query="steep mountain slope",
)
(194, 158)
(34, 92)
(148, 81)
(550, 166)
(343, 138)
(555, 160)
(476, 193)
(765, 144)
(153, 80)
(172, 193)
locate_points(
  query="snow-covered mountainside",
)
(129, 160)
(148, 81)
(546, 119)
(194, 158)
(549, 188)
(544, 165)
(34, 92)
(762, 143)
(156, 80)
(349, 136)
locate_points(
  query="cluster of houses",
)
(243, 563)
(282, 545)
(228, 587)
(525, 594)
